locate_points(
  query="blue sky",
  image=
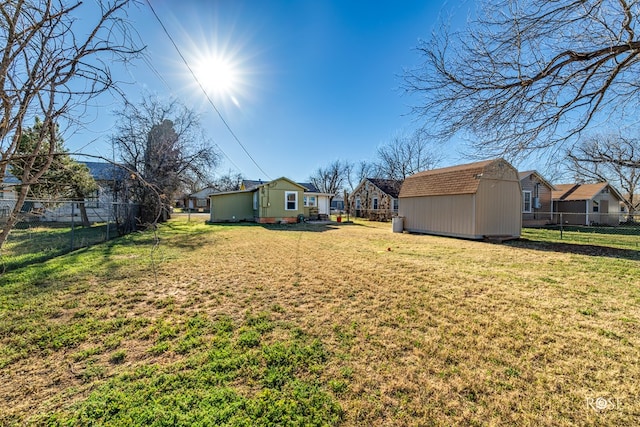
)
(311, 81)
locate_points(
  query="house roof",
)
(573, 192)
(526, 174)
(461, 179)
(204, 193)
(562, 190)
(280, 179)
(248, 185)
(10, 179)
(229, 192)
(389, 186)
(101, 171)
(309, 187)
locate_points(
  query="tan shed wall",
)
(451, 215)
(498, 208)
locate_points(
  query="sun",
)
(219, 64)
(217, 75)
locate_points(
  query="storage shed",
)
(474, 201)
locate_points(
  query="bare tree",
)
(615, 159)
(330, 179)
(406, 155)
(227, 182)
(529, 74)
(356, 172)
(165, 149)
(49, 66)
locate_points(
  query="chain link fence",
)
(48, 228)
(611, 229)
(607, 221)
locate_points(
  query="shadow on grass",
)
(28, 246)
(577, 248)
(625, 230)
(93, 259)
(314, 227)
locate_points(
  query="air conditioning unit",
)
(536, 203)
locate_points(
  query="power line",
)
(193, 74)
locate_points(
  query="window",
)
(91, 199)
(358, 203)
(526, 201)
(310, 201)
(291, 200)
(596, 206)
(395, 205)
(375, 203)
(255, 200)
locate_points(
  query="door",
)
(605, 218)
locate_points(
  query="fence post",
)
(109, 222)
(73, 213)
(561, 225)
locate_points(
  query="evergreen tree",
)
(52, 175)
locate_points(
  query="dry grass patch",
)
(412, 330)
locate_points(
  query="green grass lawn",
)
(34, 243)
(305, 324)
(618, 237)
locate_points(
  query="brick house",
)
(375, 199)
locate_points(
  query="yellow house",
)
(277, 201)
